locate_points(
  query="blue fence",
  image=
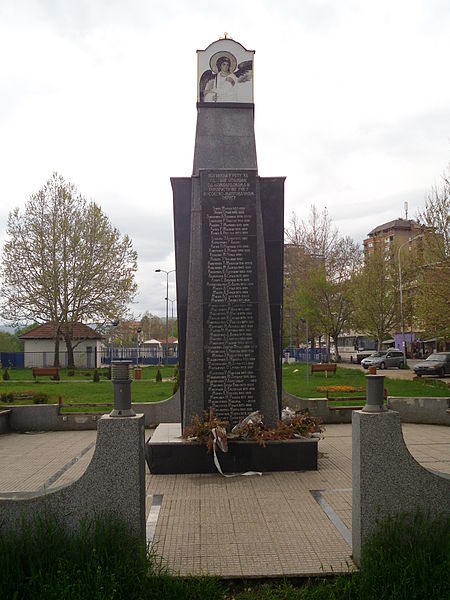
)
(314, 354)
(12, 359)
(84, 359)
(147, 356)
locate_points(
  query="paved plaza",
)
(279, 524)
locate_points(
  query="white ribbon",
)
(216, 461)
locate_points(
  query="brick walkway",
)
(32, 461)
(280, 524)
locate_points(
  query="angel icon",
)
(219, 84)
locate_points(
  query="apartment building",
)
(396, 232)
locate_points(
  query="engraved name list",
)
(230, 292)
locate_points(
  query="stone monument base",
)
(168, 453)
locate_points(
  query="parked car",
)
(361, 355)
(385, 359)
(436, 364)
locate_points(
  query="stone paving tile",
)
(27, 461)
(429, 445)
(425, 434)
(75, 471)
(245, 526)
(341, 503)
(270, 525)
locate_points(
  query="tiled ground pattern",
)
(254, 526)
(246, 526)
(429, 445)
(271, 525)
(28, 461)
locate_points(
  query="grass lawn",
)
(148, 372)
(80, 388)
(294, 382)
(407, 558)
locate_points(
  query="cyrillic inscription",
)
(230, 292)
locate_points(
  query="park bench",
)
(323, 367)
(46, 371)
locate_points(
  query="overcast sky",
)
(352, 105)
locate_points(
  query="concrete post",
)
(374, 394)
(120, 376)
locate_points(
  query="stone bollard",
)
(120, 376)
(374, 394)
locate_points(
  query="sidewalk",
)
(391, 373)
(280, 524)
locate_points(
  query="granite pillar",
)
(229, 264)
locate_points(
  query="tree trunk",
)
(69, 347)
(336, 349)
(56, 355)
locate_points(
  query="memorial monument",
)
(229, 230)
(229, 252)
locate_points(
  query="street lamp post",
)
(114, 323)
(172, 301)
(138, 333)
(167, 308)
(290, 327)
(307, 348)
(401, 294)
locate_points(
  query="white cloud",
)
(352, 105)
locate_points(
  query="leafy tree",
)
(63, 262)
(433, 301)
(375, 290)
(9, 342)
(153, 327)
(297, 264)
(324, 290)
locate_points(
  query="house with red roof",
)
(39, 346)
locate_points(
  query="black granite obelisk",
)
(229, 270)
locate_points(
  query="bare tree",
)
(435, 216)
(63, 262)
(323, 290)
(434, 284)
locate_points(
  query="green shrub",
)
(407, 558)
(7, 397)
(40, 399)
(46, 560)
(70, 372)
(107, 372)
(87, 374)
(158, 376)
(96, 377)
(412, 553)
(6, 376)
